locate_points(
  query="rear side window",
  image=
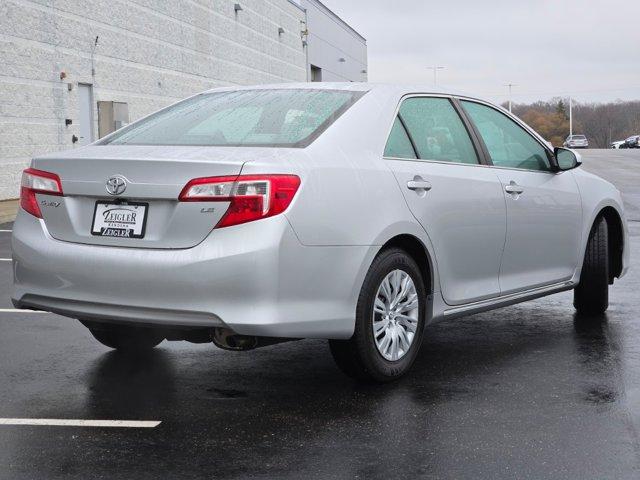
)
(434, 131)
(509, 144)
(266, 118)
(399, 145)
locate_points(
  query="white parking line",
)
(80, 423)
(6, 231)
(5, 259)
(19, 310)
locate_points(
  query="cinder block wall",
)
(149, 54)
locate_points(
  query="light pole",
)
(570, 116)
(510, 85)
(435, 69)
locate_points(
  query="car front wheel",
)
(591, 296)
(389, 321)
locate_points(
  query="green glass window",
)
(398, 144)
(436, 130)
(508, 143)
(264, 117)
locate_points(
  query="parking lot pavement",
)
(522, 392)
(622, 168)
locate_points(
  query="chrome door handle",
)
(513, 188)
(418, 184)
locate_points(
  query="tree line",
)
(602, 123)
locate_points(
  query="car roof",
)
(380, 88)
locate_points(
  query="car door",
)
(456, 199)
(544, 213)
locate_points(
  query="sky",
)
(586, 49)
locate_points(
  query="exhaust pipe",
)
(229, 340)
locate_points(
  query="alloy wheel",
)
(395, 315)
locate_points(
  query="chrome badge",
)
(116, 185)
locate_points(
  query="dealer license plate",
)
(126, 220)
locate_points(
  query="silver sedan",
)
(350, 212)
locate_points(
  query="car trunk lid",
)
(153, 177)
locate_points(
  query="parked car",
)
(617, 144)
(632, 142)
(349, 212)
(576, 141)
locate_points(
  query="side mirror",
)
(566, 159)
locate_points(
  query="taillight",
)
(37, 181)
(251, 197)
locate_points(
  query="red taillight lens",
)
(37, 181)
(251, 197)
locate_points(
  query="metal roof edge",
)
(330, 12)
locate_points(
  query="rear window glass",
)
(267, 118)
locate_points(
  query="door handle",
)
(513, 188)
(418, 183)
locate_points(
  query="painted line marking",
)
(6, 231)
(20, 310)
(5, 259)
(80, 423)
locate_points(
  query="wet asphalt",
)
(525, 392)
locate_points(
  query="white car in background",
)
(355, 213)
(632, 142)
(576, 141)
(617, 144)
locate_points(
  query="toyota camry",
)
(355, 213)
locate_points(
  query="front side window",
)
(434, 130)
(509, 144)
(265, 118)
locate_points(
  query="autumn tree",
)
(553, 126)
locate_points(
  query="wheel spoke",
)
(379, 327)
(394, 347)
(408, 283)
(384, 343)
(397, 278)
(386, 290)
(410, 304)
(379, 306)
(405, 343)
(410, 323)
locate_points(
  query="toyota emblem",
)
(116, 185)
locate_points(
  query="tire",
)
(125, 338)
(591, 296)
(360, 357)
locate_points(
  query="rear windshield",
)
(265, 118)
(578, 137)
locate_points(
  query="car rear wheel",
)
(125, 338)
(389, 321)
(591, 296)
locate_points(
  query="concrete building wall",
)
(149, 54)
(336, 48)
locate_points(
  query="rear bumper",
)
(256, 279)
